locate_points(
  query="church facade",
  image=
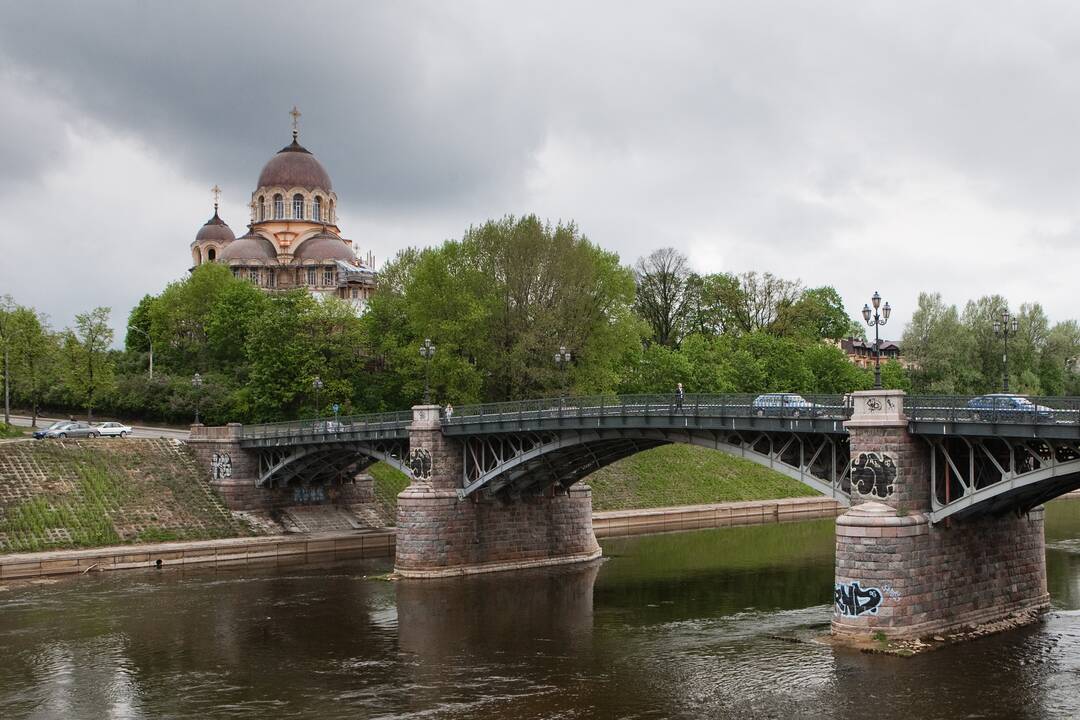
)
(293, 240)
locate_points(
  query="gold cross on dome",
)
(295, 119)
(216, 192)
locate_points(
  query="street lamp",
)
(149, 342)
(1008, 325)
(876, 322)
(196, 382)
(317, 383)
(562, 359)
(427, 351)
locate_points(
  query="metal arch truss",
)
(521, 463)
(326, 461)
(972, 476)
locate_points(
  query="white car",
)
(114, 429)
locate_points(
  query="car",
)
(66, 429)
(1006, 407)
(114, 429)
(783, 405)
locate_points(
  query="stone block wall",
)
(898, 574)
(904, 577)
(440, 535)
(910, 456)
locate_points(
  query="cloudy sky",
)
(898, 146)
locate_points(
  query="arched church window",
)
(279, 207)
(262, 208)
(298, 206)
(211, 254)
(316, 209)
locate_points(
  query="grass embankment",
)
(661, 477)
(686, 475)
(89, 493)
(10, 431)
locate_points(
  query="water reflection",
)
(684, 625)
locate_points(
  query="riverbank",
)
(299, 549)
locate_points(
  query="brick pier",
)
(898, 574)
(439, 535)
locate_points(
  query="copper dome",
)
(215, 229)
(248, 247)
(325, 246)
(294, 166)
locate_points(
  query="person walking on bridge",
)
(680, 395)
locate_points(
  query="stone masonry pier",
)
(898, 574)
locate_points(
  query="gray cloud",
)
(752, 135)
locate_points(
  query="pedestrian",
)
(449, 411)
(680, 394)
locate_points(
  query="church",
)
(293, 240)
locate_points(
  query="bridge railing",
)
(656, 405)
(328, 426)
(993, 409)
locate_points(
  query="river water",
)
(686, 625)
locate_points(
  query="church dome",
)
(215, 230)
(325, 246)
(294, 166)
(249, 247)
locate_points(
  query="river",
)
(686, 625)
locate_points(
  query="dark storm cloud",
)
(387, 102)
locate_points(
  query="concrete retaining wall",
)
(689, 517)
(274, 550)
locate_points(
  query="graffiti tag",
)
(220, 466)
(890, 592)
(420, 463)
(873, 474)
(873, 404)
(309, 495)
(852, 600)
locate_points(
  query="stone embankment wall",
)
(106, 491)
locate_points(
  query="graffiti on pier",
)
(220, 466)
(310, 495)
(873, 474)
(889, 592)
(852, 600)
(420, 463)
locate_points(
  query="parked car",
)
(114, 429)
(1006, 407)
(66, 429)
(782, 405)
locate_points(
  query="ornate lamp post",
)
(562, 359)
(149, 342)
(427, 351)
(317, 383)
(876, 322)
(1008, 325)
(197, 382)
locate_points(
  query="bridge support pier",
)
(899, 575)
(440, 535)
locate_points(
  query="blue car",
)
(1006, 407)
(783, 405)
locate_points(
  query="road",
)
(144, 431)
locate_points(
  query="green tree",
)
(34, 355)
(7, 311)
(497, 304)
(89, 368)
(662, 294)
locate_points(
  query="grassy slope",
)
(66, 494)
(10, 431)
(664, 476)
(686, 475)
